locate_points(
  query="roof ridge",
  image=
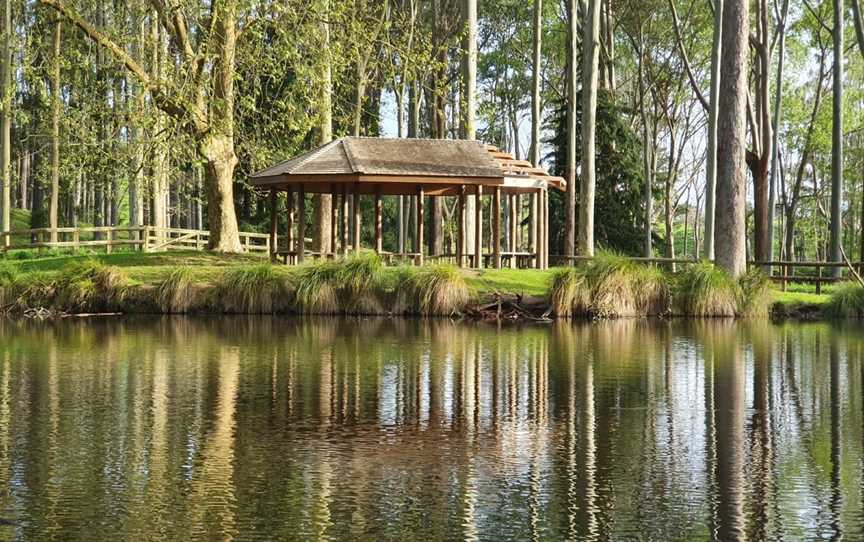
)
(437, 139)
(314, 153)
(347, 150)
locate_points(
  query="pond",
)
(288, 429)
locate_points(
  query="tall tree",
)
(778, 107)
(54, 205)
(323, 203)
(6, 120)
(859, 34)
(536, 83)
(591, 50)
(837, 139)
(203, 102)
(469, 104)
(570, 168)
(711, 151)
(729, 231)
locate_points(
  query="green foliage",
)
(256, 289)
(176, 294)
(847, 301)
(703, 289)
(433, 290)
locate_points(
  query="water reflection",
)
(266, 428)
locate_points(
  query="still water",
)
(279, 429)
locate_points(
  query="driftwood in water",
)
(511, 308)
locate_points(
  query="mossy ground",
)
(205, 268)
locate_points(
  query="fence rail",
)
(143, 238)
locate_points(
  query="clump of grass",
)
(176, 293)
(609, 286)
(86, 286)
(317, 288)
(705, 290)
(847, 301)
(754, 295)
(568, 293)
(434, 290)
(8, 279)
(252, 289)
(351, 285)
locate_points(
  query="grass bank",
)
(179, 282)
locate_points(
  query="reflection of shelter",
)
(352, 167)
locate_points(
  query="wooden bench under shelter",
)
(351, 167)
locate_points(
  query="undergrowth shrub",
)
(847, 301)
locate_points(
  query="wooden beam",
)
(419, 234)
(274, 223)
(289, 239)
(379, 235)
(344, 218)
(496, 227)
(460, 235)
(478, 230)
(356, 219)
(532, 232)
(334, 219)
(511, 227)
(301, 224)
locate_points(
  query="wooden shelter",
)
(351, 167)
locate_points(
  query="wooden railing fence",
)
(142, 238)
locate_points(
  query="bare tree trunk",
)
(648, 170)
(469, 112)
(55, 134)
(775, 150)
(570, 169)
(711, 151)
(591, 48)
(536, 82)
(667, 196)
(6, 121)
(837, 140)
(24, 181)
(323, 203)
(859, 34)
(730, 228)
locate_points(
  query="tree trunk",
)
(761, 196)
(859, 33)
(730, 227)
(469, 112)
(6, 121)
(646, 153)
(591, 48)
(54, 205)
(775, 147)
(323, 203)
(570, 168)
(535, 83)
(711, 150)
(837, 141)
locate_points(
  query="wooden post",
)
(379, 234)
(334, 219)
(532, 232)
(109, 235)
(541, 229)
(274, 221)
(496, 227)
(818, 280)
(460, 239)
(478, 229)
(289, 238)
(511, 230)
(545, 248)
(301, 224)
(356, 218)
(419, 235)
(345, 219)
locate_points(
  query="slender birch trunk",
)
(591, 49)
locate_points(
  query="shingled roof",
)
(367, 157)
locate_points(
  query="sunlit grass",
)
(847, 301)
(255, 289)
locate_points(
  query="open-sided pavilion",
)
(350, 167)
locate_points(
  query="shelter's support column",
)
(511, 228)
(532, 233)
(345, 228)
(334, 219)
(379, 236)
(289, 241)
(478, 229)
(460, 240)
(274, 223)
(544, 227)
(356, 218)
(419, 234)
(496, 227)
(301, 223)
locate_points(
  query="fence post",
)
(76, 239)
(109, 234)
(819, 280)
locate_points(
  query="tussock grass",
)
(352, 285)
(256, 289)
(9, 277)
(754, 295)
(435, 290)
(847, 301)
(702, 289)
(84, 286)
(176, 293)
(609, 286)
